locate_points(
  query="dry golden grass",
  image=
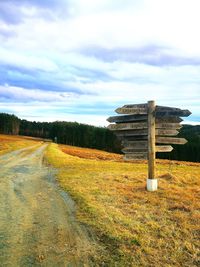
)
(136, 227)
(88, 153)
(9, 143)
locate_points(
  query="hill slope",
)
(82, 135)
(135, 227)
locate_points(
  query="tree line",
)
(71, 133)
(9, 124)
(191, 150)
(83, 135)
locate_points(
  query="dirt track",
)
(37, 226)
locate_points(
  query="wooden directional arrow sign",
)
(131, 132)
(129, 148)
(172, 126)
(170, 140)
(135, 144)
(133, 138)
(127, 118)
(127, 126)
(133, 150)
(166, 132)
(131, 110)
(164, 148)
(168, 120)
(135, 156)
(135, 106)
(134, 132)
(164, 108)
(171, 113)
(145, 125)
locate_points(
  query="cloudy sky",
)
(78, 60)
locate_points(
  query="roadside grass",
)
(136, 227)
(9, 143)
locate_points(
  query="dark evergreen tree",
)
(9, 124)
(191, 150)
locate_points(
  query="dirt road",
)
(38, 225)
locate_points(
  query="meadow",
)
(133, 226)
(10, 143)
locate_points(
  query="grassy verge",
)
(9, 143)
(136, 228)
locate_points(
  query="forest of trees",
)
(9, 124)
(78, 134)
(71, 133)
(191, 150)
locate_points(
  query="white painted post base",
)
(152, 184)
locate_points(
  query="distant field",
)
(135, 227)
(88, 153)
(9, 143)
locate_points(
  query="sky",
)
(78, 60)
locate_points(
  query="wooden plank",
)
(134, 150)
(127, 118)
(169, 113)
(135, 144)
(127, 126)
(166, 132)
(172, 126)
(164, 148)
(133, 138)
(135, 106)
(158, 149)
(131, 110)
(132, 132)
(170, 140)
(158, 108)
(168, 120)
(135, 156)
(164, 108)
(151, 140)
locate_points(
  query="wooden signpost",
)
(141, 127)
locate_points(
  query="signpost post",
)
(141, 127)
(151, 181)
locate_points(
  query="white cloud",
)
(26, 60)
(57, 46)
(20, 94)
(108, 24)
(41, 111)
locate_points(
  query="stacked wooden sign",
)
(141, 127)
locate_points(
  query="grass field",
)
(133, 226)
(9, 143)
